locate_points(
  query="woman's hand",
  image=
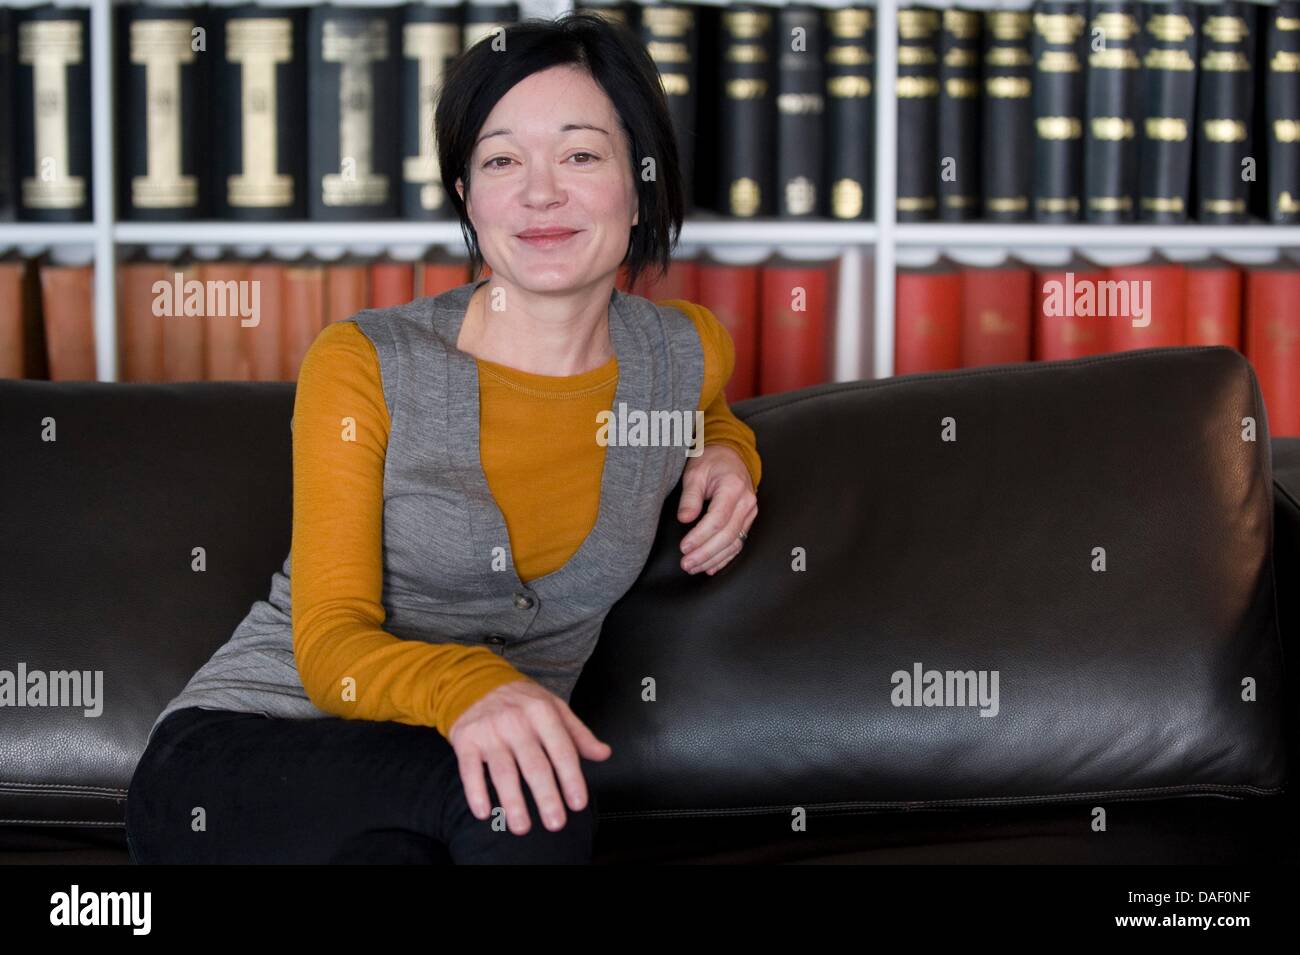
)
(526, 723)
(719, 476)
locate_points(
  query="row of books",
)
(950, 315)
(1107, 111)
(326, 112)
(183, 318)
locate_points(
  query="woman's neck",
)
(539, 334)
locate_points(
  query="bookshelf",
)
(867, 252)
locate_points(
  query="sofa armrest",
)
(1286, 535)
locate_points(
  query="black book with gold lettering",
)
(353, 65)
(747, 111)
(671, 36)
(1059, 109)
(1282, 110)
(162, 174)
(6, 116)
(800, 112)
(1110, 146)
(851, 113)
(959, 115)
(1225, 101)
(53, 167)
(1007, 120)
(430, 40)
(1165, 137)
(260, 86)
(917, 88)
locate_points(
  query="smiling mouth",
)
(547, 240)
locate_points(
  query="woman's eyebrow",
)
(566, 128)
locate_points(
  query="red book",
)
(996, 304)
(391, 283)
(183, 333)
(1273, 342)
(347, 288)
(139, 329)
(732, 294)
(1065, 320)
(1148, 306)
(228, 350)
(797, 322)
(1214, 303)
(22, 341)
(68, 304)
(927, 329)
(682, 281)
(266, 339)
(443, 273)
(302, 289)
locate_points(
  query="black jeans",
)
(215, 786)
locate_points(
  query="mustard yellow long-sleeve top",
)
(542, 465)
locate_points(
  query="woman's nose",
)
(542, 184)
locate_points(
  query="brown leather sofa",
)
(953, 521)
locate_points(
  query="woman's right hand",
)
(523, 722)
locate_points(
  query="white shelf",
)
(1083, 235)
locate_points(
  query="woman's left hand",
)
(718, 475)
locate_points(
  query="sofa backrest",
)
(879, 545)
(1096, 534)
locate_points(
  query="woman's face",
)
(552, 155)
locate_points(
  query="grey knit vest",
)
(442, 526)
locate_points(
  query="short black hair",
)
(621, 65)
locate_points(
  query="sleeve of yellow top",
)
(349, 666)
(721, 426)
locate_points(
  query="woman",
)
(459, 529)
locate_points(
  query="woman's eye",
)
(591, 155)
(488, 164)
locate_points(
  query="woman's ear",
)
(460, 189)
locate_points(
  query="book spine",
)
(1169, 100)
(748, 111)
(995, 310)
(1008, 116)
(927, 331)
(430, 41)
(1110, 138)
(266, 338)
(795, 334)
(7, 94)
(52, 90)
(1273, 343)
(1059, 104)
(671, 35)
(160, 174)
(959, 115)
(1224, 105)
(800, 113)
(1214, 304)
(917, 88)
(850, 90)
(1155, 294)
(261, 89)
(1282, 107)
(351, 109)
